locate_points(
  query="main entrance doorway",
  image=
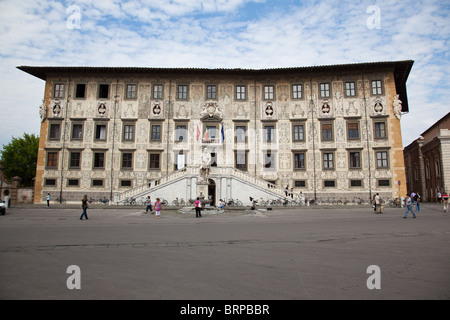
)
(212, 191)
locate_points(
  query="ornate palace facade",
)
(328, 131)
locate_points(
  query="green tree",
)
(19, 158)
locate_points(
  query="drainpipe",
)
(256, 109)
(313, 137)
(168, 122)
(367, 134)
(113, 143)
(64, 143)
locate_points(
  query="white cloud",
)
(221, 34)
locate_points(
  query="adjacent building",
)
(330, 132)
(427, 161)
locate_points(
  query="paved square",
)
(289, 253)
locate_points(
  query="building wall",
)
(282, 112)
(427, 161)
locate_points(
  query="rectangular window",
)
(350, 90)
(269, 133)
(75, 158)
(131, 91)
(54, 131)
(324, 90)
(58, 91)
(156, 132)
(50, 182)
(384, 183)
(240, 133)
(182, 92)
(353, 131)
(157, 91)
(327, 131)
(210, 133)
(99, 160)
(73, 182)
(300, 183)
(376, 87)
(181, 133)
(77, 131)
(268, 92)
(80, 91)
(100, 132)
(329, 183)
(128, 132)
(297, 91)
(299, 161)
(355, 183)
(125, 183)
(299, 132)
(127, 160)
(154, 162)
(355, 160)
(241, 160)
(103, 91)
(241, 92)
(382, 159)
(211, 92)
(52, 159)
(97, 183)
(328, 160)
(380, 130)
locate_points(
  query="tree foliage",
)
(19, 158)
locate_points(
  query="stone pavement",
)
(286, 253)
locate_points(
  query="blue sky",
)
(222, 34)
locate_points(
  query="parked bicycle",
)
(395, 203)
(103, 201)
(234, 203)
(178, 202)
(130, 201)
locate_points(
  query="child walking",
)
(157, 208)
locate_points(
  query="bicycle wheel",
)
(239, 203)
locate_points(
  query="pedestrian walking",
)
(148, 203)
(157, 208)
(445, 200)
(417, 200)
(439, 197)
(378, 204)
(198, 208)
(408, 203)
(84, 206)
(48, 200)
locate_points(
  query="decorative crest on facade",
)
(211, 111)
